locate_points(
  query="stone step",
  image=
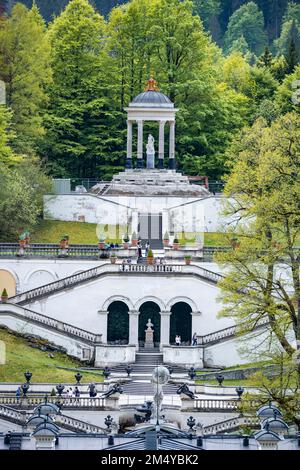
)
(147, 388)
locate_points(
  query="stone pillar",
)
(140, 145)
(128, 163)
(172, 146)
(103, 324)
(195, 322)
(161, 151)
(134, 327)
(165, 328)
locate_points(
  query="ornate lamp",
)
(220, 379)
(191, 422)
(128, 369)
(192, 373)
(106, 372)
(60, 389)
(108, 421)
(25, 388)
(239, 391)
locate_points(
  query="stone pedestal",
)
(112, 403)
(149, 343)
(187, 404)
(150, 161)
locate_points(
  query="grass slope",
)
(51, 231)
(20, 357)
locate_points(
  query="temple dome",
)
(152, 99)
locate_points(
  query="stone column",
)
(134, 327)
(140, 145)
(195, 327)
(165, 328)
(161, 151)
(128, 163)
(103, 323)
(172, 146)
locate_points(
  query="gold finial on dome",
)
(151, 84)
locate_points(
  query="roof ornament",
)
(151, 84)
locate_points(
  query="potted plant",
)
(134, 239)
(187, 259)
(150, 257)
(166, 239)
(113, 258)
(175, 243)
(101, 242)
(4, 295)
(126, 241)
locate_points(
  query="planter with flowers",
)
(150, 257)
(134, 239)
(4, 295)
(126, 241)
(113, 258)
(175, 244)
(166, 239)
(187, 259)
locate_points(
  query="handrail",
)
(216, 404)
(70, 403)
(61, 327)
(229, 424)
(108, 268)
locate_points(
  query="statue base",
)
(150, 161)
(140, 163)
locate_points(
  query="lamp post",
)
(28, 376)
(78, 377)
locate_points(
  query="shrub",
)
(4, 293)
(150, 254)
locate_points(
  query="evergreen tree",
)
(7, 156)
(24, 67)
(248, 21)
(83, 137)
(240, 45)
(266, 59)
(290, 31)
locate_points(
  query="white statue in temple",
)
(150, 152)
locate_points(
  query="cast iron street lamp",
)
(25, 388)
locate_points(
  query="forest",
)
(68, 80)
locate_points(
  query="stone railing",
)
(229, 425)
(77, 425)
(10, 414)
(108, 268)
(216, 404)
(69, 403)
(227, 333)
(46, 321)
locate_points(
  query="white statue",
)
(149, 325)
(150, 145)
(160, 377)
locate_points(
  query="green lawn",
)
(51, 231)
(20, 357)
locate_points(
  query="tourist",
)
(177, 340)
(70, 394)
(123, 264)
(139, 249)
(147, 248)
(18, 393)
(194, 340)
(77, 394)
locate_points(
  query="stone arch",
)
(181, 322)
(150, 298)
(184, 299)
(50, 276)
(118, 323)
(149, 309)
(9, 281)
(117, 298)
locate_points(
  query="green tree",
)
(290, 32)
(266, 59)
(83, 136)
(287, 96)
(24, 67)
(247, 21)
(7, 156)
(209, 10)
(264, 191)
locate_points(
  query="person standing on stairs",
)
(147, 248)
(139, 249)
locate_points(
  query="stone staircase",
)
(146, 388)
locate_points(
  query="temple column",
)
(103, 322)
(128, 163)
(140, 145)
(165, 328)
(161, 151)
(134, 327)
(172, 146)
